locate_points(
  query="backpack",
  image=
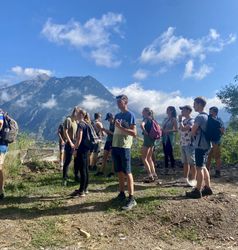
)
(9, 130)
(91, 138)
(155, 131)
(213, 132)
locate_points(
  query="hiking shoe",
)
(2, 196)
(194, 194)
(75, 193)
(149, 179)
(130, 204)
(81, 194)
(206, 191)
(121, 197)
(110, 175)
(99, 174)
(77, 179)
(217, 174)
(86, 191)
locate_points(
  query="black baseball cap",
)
(108, 116)
(188, 107)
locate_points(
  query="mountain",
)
(39, 105)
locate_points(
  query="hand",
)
(118, 123)
(145, 132)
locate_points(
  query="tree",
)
(229, 96)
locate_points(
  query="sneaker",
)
(121, 197)
(2, 196)
(99, 174)
(75, 193)
(86, 191)
(149, 179)
(206, 191)
(217, 174)
(156, 177)
(110, 175)
(81, 194)
(194, 194)
(130, 204)
(77, 179)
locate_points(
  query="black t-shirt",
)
(148, 125)
(82, 126)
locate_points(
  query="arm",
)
(79, 138)
(1, 124)
(68, 139)
(107, 131)
(100, 127)
(195, 129)
(130, 131)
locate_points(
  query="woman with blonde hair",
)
(148, 145)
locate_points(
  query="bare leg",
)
(130, 183)
(200, 178)
(104, 161)
(145, 152)
(151, 162)
(186, 169)
(1, 179)
(206, 177)
(121, 177)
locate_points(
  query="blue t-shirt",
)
(2, 142)
(120, 138)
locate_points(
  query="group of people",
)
(195, 148)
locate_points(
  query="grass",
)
(35, 196)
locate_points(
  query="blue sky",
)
(166, 51)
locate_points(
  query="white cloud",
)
(158, 101)
(30, 72)
(141, 74)
(93, 37)
(51, 103)
(4, 97)
(168, 49)
(22, 102)
(199, 74)
(92, 102)
(70, 92)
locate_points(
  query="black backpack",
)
(10, 129)
(213, 129)
(91, 138)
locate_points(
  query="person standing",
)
(81, 154)
(202, 146)
(125, 130)
(216, 144)
(169, 127)
(186, 144)
(70, 129)
(148, 145)
(3, 151)
(98, 126)
(108, 145)
(61, 144)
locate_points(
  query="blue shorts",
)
(3, 149)
(122, 160)
(188, 155)
(201, 157)
(108, 145)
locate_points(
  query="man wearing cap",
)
(125, 130)
(216, 150)
(108, 145)
(187, 149)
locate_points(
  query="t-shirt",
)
(120, 138)
(111, 128)
(82, 126)
(200, 139)
(186, 136)
(148, 124)
(72, 128)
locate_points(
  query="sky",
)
(158, 52)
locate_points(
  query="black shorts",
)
(201, 157)
(108, 145)
(122, 160)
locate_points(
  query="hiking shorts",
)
(148, 142)
(201, 157)
(215, 151)
(96, 148)
(108, 145)
(122, 159)
(188, 155)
